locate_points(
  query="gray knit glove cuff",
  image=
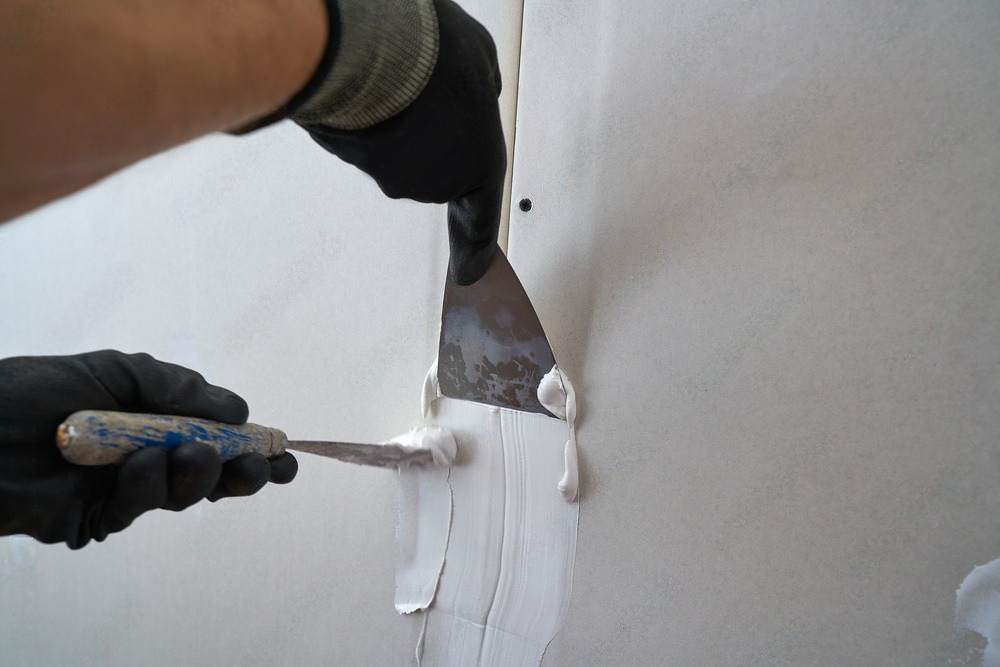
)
(386, 53)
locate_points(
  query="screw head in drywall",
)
(524, 205)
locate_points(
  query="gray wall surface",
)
(765, 241)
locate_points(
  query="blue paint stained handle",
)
(93, 437)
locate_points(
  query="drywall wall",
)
(284, 274)
(765, 244)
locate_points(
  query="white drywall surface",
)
(765, 244)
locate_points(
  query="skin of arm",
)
(91, 87)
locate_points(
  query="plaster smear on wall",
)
(422, 533)
(977, 608)
(503, 586)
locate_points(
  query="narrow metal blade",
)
(382, 456)
(493, 349)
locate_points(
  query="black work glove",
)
(408, 94)
(44, 496)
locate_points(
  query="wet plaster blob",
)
(504, 517)
(977, 608)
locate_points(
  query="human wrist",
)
(383, 56)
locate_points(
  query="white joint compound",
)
(439, 441)
(977, 608)
(488, 545)
(555, 392)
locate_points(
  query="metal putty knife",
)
(92, 437)
(493, 349)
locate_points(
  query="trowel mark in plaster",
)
(499, 575)
(423, 535)
(425, 509)
(506, 583)
(977, 608)
(424, 526)
(503, 581)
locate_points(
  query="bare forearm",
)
(90, 87)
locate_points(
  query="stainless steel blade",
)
(493, 349)
(382, 456)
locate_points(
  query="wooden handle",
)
(92, 437)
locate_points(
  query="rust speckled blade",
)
(493, 349)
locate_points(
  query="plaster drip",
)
(977, 608)
(502, 587)
(431, 390)
(556, 393)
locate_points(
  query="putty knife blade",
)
(493, 349)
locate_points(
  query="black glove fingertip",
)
(473, 226)
(141, 485)
(142, 481)
(227, 406)
(468, 266)
(195, 468)
(284, 467)
(243, 476)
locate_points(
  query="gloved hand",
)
(52, 500)
(408, 94)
